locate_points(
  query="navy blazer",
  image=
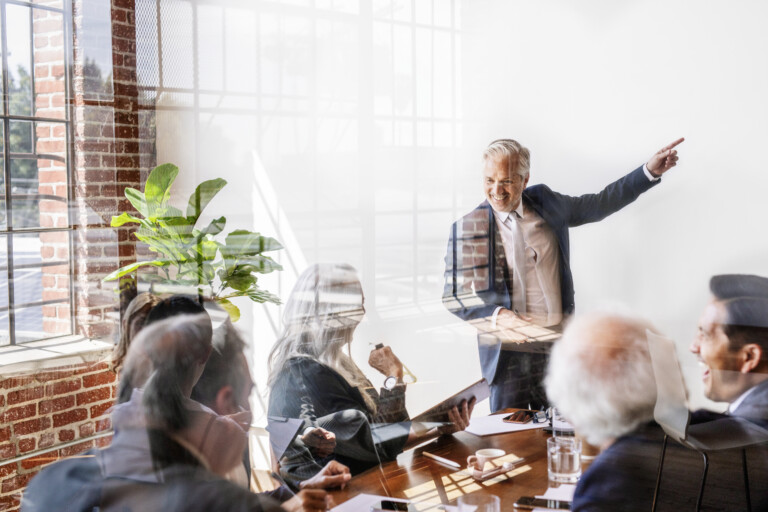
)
(477, 279)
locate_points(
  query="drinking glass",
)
(564, 459)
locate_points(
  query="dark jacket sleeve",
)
(595, 207)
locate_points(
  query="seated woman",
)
(311, 378)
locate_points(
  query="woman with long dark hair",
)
(312, 378)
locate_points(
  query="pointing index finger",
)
(678, 141)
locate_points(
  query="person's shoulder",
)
(538, 191)
(67, 482)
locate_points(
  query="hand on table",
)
(664, 159)
(309, 500)
(333, 475)
(320, 441)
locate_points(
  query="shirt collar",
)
(736, 403)
(503, 216)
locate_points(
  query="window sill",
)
(45, 354)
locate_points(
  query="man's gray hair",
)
(600, 376)
(512, 151)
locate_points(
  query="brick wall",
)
(50, 96)
(114, 149)
(41, 410)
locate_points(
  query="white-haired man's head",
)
(600, 376)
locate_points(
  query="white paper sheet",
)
(494, 424)
(562, 493)
(362, 502)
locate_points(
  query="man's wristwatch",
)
(390, 382)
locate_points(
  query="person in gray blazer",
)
(732, 346)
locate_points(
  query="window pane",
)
(3, 281)
(41, 274)
(19, 60)
(50, 65)
(2, 179)
(39, 185)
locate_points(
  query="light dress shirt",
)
(736, 403)
(539, 296)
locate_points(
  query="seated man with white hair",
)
(600, 377)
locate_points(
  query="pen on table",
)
(442, 460)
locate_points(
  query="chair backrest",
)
(671, 410)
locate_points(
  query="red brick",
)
(7, 469)
(75, 449)
(23, 428)
(56, 404)
(94, 395)
(103, 424)
(63, 387)
(7, 451)
(16, 413)
(41, 460)
(86, 429)
(98, 379)
(66, 435)
(25, 395)
(5, 434)
(103, 442)
(26, 445)
(12, 383)
(2, 400)
(46, 440)
(100, 409)
(11, 503)
(65, 418)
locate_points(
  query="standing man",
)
(508, 262)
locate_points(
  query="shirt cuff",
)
(648, 174)
(494, 316)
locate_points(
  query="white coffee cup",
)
(482, 457)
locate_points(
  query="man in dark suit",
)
(508, 262)
(732, 346)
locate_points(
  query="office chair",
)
(672, 413)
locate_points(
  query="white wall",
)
(366, 130)
(593, 88)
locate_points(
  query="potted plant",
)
(191, 256)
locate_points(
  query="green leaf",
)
(157, 190)
(137, 200)
(132, 268)
(123, 218)
(234, 311)
(240, 279)
(242, 242)
(261, 264)
(202, 195)
(215, 227)
(256, 294)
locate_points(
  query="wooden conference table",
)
(418, 478)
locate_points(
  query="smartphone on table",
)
(529, 503)
(388, 505)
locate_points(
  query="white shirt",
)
(540, 268)
(736, 403)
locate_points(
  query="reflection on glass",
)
(24, 193)
(40, 285)
(19, 59)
